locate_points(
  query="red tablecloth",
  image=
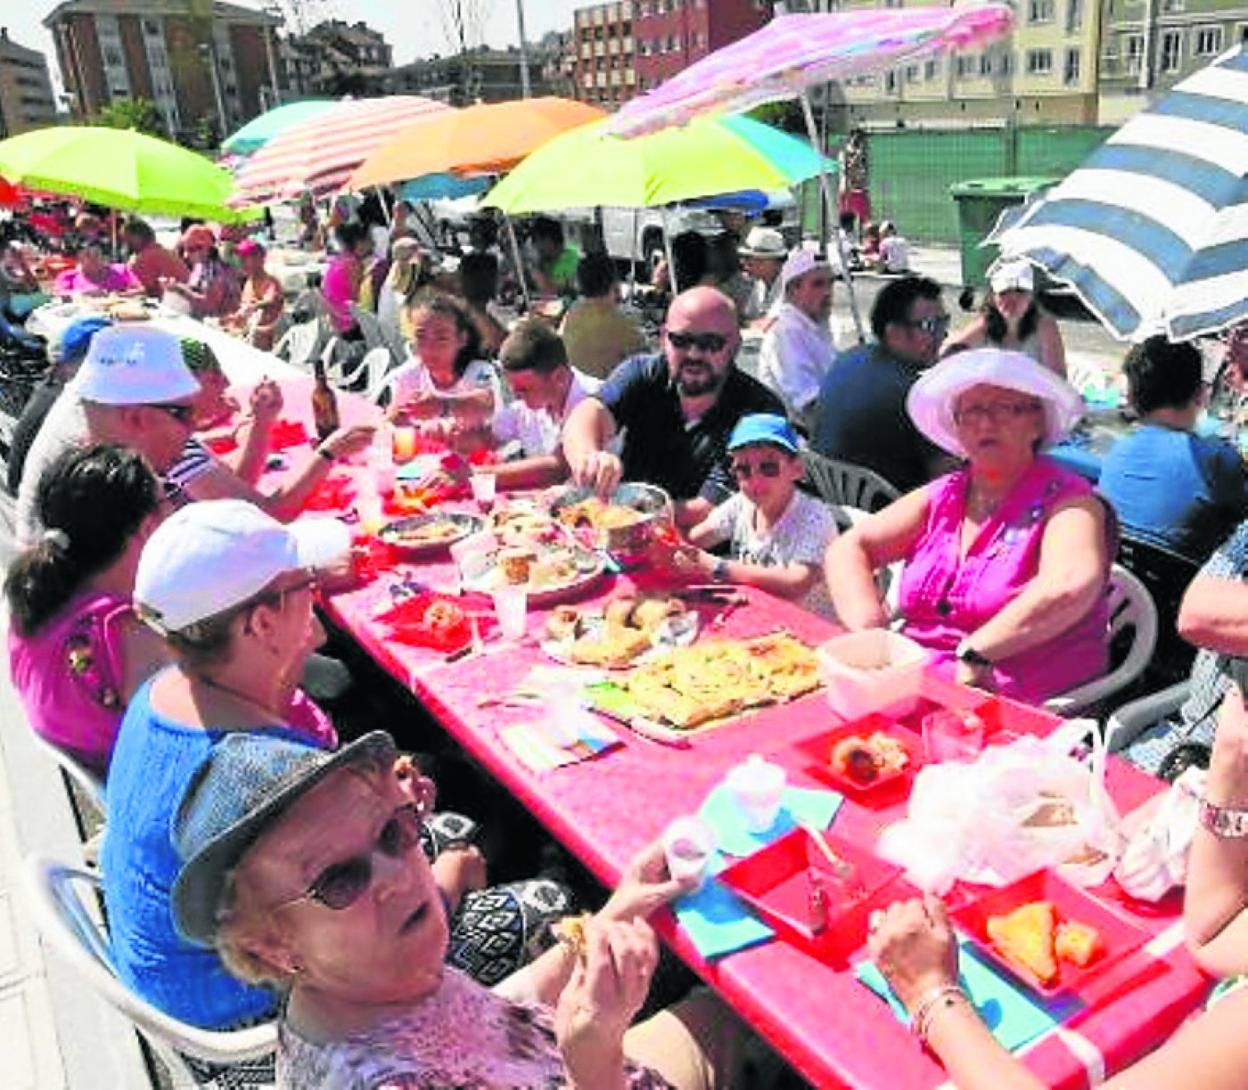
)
(827, 1024)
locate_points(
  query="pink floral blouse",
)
(463, 1037)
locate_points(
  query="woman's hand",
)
(266, 401)
(348, 441)
(419, 787)
(600, 1000)
(912, 944)
(645, 886)
(978, 676)
(458, 871)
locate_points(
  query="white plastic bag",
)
(1154, 860)
(1016, 809)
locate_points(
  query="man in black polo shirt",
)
(675, 410)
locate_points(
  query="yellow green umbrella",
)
(120, 168)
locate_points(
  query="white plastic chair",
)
(1130, 606)
(70, 923)
(1133, 719)
(370, 328)
(300, 343)
(92, 786)
(846, 485)
(373, 368)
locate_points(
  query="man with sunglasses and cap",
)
(133, 389)
(675, 411)
(861, 413)
(799, 350)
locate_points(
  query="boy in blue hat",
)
(776, 535)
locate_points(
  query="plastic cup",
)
(403, 444)
(950, 735)
(484, 489)
(756, 786)
(688, 844)
(511, 606)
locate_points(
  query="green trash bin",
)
(980, 202)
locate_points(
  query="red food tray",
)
(406, 624)
(775, 882)
(1119, 935)
(332, 494)
(818, 750)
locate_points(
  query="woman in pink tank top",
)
(76, 651)
(1006, 560)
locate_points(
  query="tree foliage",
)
(131, 113)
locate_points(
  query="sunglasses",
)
(743, 471)
(183, 414)
(703, 342)
(931, 326)
(341, 884)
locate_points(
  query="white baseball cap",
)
(213, 555)
(799, 263)
(932, 398)
(131, 364)
(1013, 274)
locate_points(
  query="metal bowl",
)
(631, 541)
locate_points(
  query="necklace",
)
(241, 697)
(979, 506)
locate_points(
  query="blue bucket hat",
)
(77, 337)
(247, 783)
(767, 428)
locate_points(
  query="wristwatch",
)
(719, 570)
(1223, 821)
(966, 653)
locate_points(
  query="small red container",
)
(1073, 905)
(818, 750)
(776, 882)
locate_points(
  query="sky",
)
(414, 28)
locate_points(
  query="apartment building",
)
(26, 100)
(203, 64)
(673, 34)
(480, 75)
(605, 58)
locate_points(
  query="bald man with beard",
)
(675, 409)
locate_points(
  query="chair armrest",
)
(1131, 720)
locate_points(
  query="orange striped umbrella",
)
(320, 153)
(485, 139)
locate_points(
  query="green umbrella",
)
(120, 168)
(587, 166)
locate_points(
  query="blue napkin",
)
(814, 807)
(716, 920)
(1014, 1017)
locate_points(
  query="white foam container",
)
(871, 671)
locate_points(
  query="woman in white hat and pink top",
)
(1006, 560)
(1011, 318)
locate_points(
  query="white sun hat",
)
(132, 364)
(798, 264)
(213, 555)
(1012, 274)
(932, 398)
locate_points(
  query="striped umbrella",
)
(794, 52)
(1152, 230)
(260, 130)
(320, 153)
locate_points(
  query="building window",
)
(964, 66)
(1070, 70)
(930, 68)
(1074, 16)
(1171, 7)
(1171, 50)
(1007, 63)
(112, 57)
(1242, 30)
(1039, 62)
(1208, 41)
(890, 82)
(912, 73)
(1040, 11)
(985, 64)
(1133, 53)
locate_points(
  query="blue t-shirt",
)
(862, 419)
(1175, 489)
(153, 764)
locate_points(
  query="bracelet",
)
(931, 1004)
(327, 455)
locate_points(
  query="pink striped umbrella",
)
(795, 52)
(320, 153)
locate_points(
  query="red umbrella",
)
(10, 197)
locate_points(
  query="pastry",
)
(1078, 943)
(865, 760)
(652, 612)
(515, 564)
(617, 647)
(443, 616)
(619, 612)
(564, 623)
(1025, 938)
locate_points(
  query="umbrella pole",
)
(385, 206)
(515, 256)
(667, 250)
(834, 223)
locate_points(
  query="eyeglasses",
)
(183, 414)
(998, 412)
(278, 594)
(341, 884)
(743, 471)
(931, 326)
(703, 342)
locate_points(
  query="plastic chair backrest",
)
(92, 786)
(67, 923)
(846, 485)
(1166, 574)
(1130, 608)
(299, 343)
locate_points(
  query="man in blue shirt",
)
(861, 414)
(1170, 486)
